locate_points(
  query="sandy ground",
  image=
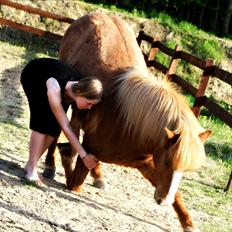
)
(127, 205)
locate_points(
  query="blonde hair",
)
(88, 87)
(148, 105)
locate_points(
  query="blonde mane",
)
(148, 105)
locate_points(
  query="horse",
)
(144, 122)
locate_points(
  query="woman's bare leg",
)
(38, 144)
(48, 141)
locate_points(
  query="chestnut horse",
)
(143, 122)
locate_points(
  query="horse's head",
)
(170, 165)
(147, 106)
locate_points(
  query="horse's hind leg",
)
(50, 165)
(183, 215)
(97, 175)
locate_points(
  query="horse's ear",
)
(171, 135)
(205, 135)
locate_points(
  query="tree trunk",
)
(215, 21)
(227, 18)
(202, 13)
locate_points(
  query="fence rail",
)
(207, 66)
(208, 70)
(36, 11)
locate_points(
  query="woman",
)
(51, 86)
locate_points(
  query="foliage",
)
(213, 16)
(209, 49)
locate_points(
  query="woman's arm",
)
(54, 98)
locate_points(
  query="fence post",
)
(229, 184)
(154, 49)
(173, 63)
(202, 87)
(139, 38)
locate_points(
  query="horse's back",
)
(101, 45)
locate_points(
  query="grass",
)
(203, 191)
(218, 146)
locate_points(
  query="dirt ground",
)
(127, 205)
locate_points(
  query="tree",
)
(227, 18)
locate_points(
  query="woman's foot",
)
(32, 176)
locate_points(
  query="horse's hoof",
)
(49, 173)
(75, 189)
(191, 229)
(99, 183)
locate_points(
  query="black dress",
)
(33, 79)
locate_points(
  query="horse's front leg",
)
(98, 178)
(75, 174)
(76, 178)
(68, 158)
(50, 161)
(68, 162)
(183, 215)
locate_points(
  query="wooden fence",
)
(208, 70)
(36, 11)
(207, 66)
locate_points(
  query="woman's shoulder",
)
(53, 67)
(54, 63)
(49, 64)
(46, 61)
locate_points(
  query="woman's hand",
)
(90, 161)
